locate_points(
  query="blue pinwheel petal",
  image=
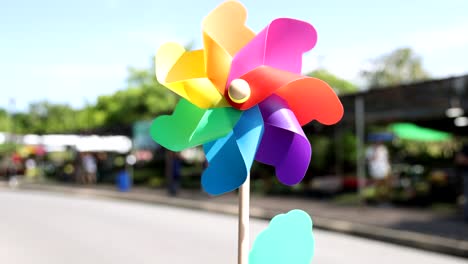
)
(230, 158)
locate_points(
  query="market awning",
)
(411, 131)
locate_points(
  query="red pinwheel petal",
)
(279, 45)
(263, 82)
(309, 98)
(312, 99)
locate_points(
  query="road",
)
(47, 228)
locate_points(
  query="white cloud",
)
(310, 62)
(113, 4)
(71, 83)
(440, 49)
(157, 37)
(71, 70)
(345, 63)
(440, 39)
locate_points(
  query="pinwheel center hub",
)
(239, 91)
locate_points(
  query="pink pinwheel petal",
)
(280, 45)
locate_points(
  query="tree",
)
(45, 117)
(341, 86)
(4, 121)
(143, 98)
(397, 67)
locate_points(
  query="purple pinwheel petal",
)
(284, 144)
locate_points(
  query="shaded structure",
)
(424, 103)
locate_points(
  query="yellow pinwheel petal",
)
(224, 34)
(184, 73)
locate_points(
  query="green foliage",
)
(397, 67)
(4, 120)
(7, 148)
(322, 152)
(348, 145)
(341, 86)
(143, 98)
(45, 117)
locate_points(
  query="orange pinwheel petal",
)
(224, 34)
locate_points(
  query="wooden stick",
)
(244, 210)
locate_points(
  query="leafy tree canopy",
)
(143, 98)
(400, 66)
(341, 86)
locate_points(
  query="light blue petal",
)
(288, 239)
(230, 158)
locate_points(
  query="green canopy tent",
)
(411, 131)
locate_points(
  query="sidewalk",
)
(419, 228)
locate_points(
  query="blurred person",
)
(17, 167)
(30, 167)
(461, 159)
(71, 165)
(103, 166)
(173, 166)
(379, 167)
(13, 169)
(89, 168)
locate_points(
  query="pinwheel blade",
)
(309, 98)
(191, 126)
(224, 34)
(312, 99)
(230, 158)
(280, 45)
(184, 73)
(287, 239)
(284, 144)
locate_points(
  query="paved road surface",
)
(43, 228)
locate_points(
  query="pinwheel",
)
(244, 98)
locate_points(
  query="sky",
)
(73, 51)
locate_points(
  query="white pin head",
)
(239, 91)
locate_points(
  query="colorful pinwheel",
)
(244, 98)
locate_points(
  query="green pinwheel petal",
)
(190, 126)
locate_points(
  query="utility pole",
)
(11, 113)
(13, 182)
(359, 111)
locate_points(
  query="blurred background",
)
(79, 94)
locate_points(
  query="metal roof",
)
(424, 103)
